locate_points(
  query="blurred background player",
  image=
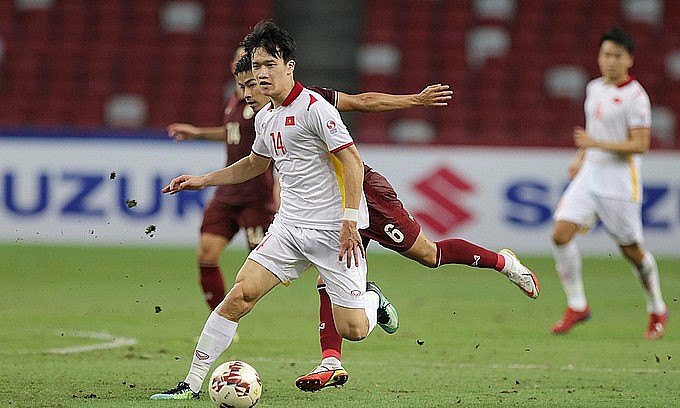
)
(249, 206)
(404, 235)
(607, 184)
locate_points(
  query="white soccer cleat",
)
(519, 274)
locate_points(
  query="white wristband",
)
(351, 214)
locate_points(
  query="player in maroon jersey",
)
(390, 224)
(250, 205)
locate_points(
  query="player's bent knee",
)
(423, 251)
(209, 254)
(561, 236)
(354, 328)
(563, 232)
(429, 260)
(238, 302)
(351, 323)
(210, 248)
(355, 333)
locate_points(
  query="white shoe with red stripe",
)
(519, 274)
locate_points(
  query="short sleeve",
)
(639, 113)
(326, 122)
(260, 148)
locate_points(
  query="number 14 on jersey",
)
(277, 143)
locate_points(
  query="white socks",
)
(568, 266)
(372, 301)
(216, 336)
(649, 278)
(331, 362)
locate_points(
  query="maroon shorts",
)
(225, 220)
(390, 224)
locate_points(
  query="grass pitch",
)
(468, 338)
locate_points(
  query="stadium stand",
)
(518, 68)
(118, 63)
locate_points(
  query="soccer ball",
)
(235, 384)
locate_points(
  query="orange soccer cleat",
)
(657, 325)
(571, 317)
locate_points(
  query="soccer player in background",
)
(607, 184)
(384, 208)
(322, 207)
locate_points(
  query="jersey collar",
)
(626, 82)
(294, 93)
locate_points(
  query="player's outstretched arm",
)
(187, 131)
(243, 170)
(432, 95)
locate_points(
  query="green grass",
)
(484, 343)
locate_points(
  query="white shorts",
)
(287, 251)
(621, 218)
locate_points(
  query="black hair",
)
(271, 38)
(620, 37)
(237, 51)
(243, 65)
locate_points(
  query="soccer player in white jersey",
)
(607, 184)
(322, 207)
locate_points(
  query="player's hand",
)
(573, 169)
(183, 131)
(435, 95)
(350, 243)
(582, 138)
(576, 164)
(185, 182)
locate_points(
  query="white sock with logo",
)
(568, 266)
(216, 336)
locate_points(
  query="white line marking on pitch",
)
(111, 342)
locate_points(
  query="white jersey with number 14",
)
(300, 137)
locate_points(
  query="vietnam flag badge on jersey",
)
(290, 120)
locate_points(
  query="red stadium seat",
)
(15, 110)
(373, 128)
(73, 25)
(91, 50)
